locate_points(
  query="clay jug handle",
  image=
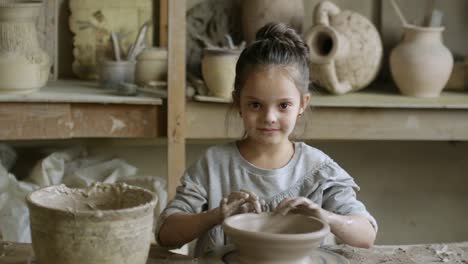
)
(323, 11)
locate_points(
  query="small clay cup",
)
(112, 73)
(273, 238)
(105, 224)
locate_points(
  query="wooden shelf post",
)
(176, 93)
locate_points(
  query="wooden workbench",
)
(454, 253)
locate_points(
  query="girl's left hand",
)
(301, 205)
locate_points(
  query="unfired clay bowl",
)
(105, 224)
(273, 238)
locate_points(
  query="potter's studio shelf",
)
(74, 109)
(372, 114)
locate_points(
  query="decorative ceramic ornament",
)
(345, 49)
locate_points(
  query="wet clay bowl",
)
(105, 224)
(272, 238)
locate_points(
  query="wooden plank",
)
(208, 121)
(61, 121)
(97, 120)
(34, 121)
(386, 96)
(163, 27)
(74, 91)
(176, 94)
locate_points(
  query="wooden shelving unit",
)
(68, 109)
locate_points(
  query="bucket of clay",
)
(105, 224)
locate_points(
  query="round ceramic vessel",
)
(270, 238)
(151, 66)
(421, 64)
(219, 71)
(257, 13)
(24, 66)
(105, 223)
(345, 49)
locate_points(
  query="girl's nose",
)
(270, 116)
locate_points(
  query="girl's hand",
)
(301, 205)
(238, 203)
(253, 203)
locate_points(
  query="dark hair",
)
(275, 44)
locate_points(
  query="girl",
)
(265, 171)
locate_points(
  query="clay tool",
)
(115, 43)
(139, 44)
(399, 13)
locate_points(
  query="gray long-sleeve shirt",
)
(222, 170)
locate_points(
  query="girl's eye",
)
(254, 105)
(285, 105)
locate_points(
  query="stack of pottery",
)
(24, 66)
(345, 49)
(420, 64)
(219, 70)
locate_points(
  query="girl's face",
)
(270, 104)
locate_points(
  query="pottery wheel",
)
(320, 256)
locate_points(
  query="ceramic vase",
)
(421, 64)
(151, 66)
(257, 13)
(24, 66)
(345, 49)
(219, 71)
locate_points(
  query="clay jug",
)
(256, 13)
(345, 49)
(420, 64)
(24, 66)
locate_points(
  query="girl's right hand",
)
(237, 203)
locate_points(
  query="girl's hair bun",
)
(281, 33)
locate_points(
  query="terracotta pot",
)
(345, 49)
(273, 238)
(219, 71)
(420, 63)
(105, 224)
(24, 66)
(151, 66)
(256, 13)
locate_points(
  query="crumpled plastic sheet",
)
(73, 168)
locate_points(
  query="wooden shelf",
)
(74, 109)
(367, 115)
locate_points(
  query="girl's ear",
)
(305, 102)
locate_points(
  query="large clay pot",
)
(24, 66)
(219, 70)
(421, 64)
(345, 49)
(256, 13)
(104, 223)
